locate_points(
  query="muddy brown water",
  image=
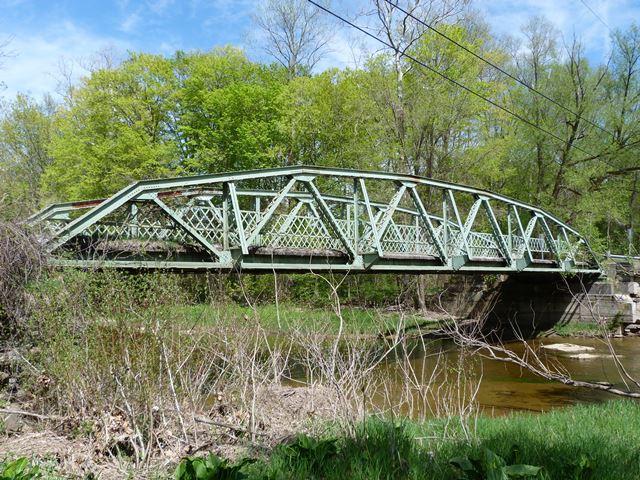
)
(504, 388)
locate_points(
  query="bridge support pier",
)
(522, 305)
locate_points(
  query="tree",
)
(297, 34)
(153, 116)
(623, 117)
(4, 53)
(397, 24)
(586, 175)
(25, 134)
(227, 111)
(115, 130)
(330, 119)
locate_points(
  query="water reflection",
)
(503, 387)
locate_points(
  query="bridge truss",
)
(311, 219)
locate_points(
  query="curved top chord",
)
(311, 218)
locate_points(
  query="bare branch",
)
(296, 33)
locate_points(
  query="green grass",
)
(580, 329)
(288, 317)
(583, 442)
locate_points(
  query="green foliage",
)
(490, 466)
(314, 452)
(19, 469)
(200, 112)
(116, 129)
(227, 109)
(583, 442)
(211, 468)
(25, 136)
(379, 449)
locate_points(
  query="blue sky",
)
(48, 38)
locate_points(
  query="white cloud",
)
(571, 17)
(344, 50)
(130, 22)
(35, 67)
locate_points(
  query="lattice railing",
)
(303, 232)
(205, 220)
(205, 211)
(408, 239)
(484, 245)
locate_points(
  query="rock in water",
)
(568, 347)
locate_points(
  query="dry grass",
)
(22, 260)
(140, 390)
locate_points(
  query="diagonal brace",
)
(471, 217)
(187, 228)
(275, 203)
(324, 208)
(497, 233)
(373, 220)
(525, 235)
(388, 214)
(463, 238)
(231, 188)
(427, 221)
(550, 240)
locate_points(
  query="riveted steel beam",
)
(221, 255)
(275, 203)
(308, 182)
(336, 217)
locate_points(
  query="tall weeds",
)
(22, 260)
(144, 380)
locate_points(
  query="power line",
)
(497, 67)
(595, 14)
(451, 80)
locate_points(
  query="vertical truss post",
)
(445, 224)
(509, 231)
(235, 205)
(422, 211)
(257, 205)
(275, 203)
(372, 220)
(356, 214)
(225, 217)
(308, 182)
(133, 220)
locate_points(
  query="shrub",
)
(21, 261)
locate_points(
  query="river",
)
(503, 387)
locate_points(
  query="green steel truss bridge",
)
(304, 219)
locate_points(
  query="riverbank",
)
(117, 376)
(585, 441)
